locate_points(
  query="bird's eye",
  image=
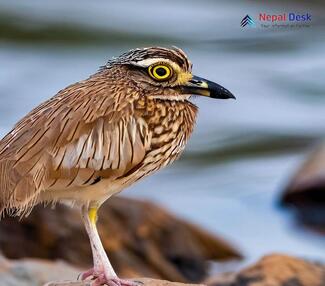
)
(160, 72)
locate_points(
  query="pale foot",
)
(87, 274)
(101, 280)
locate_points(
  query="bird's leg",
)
(103, 272)
(101, 262)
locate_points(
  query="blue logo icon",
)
(247, 20)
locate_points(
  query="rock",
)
(142, 240)
(271, 270)
(37, 272)
(34, 272)
(275, 270)
(143, 281)
(305, 192)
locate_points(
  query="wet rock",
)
(305, 192)
(275, 270)
(142, 240)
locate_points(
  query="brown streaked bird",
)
(100, 135)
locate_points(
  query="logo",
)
(282, 20)
(284, 17)
(247, 20)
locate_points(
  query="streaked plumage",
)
(98, 136)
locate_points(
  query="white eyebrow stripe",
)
(149, 62)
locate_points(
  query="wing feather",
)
(83, 131)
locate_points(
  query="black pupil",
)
(161, 71)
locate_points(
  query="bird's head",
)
(165, 74)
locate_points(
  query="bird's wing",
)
(85, 130)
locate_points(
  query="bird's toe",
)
(87, 274)
(102, 280)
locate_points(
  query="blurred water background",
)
(242, 152)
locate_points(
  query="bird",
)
(99, 136)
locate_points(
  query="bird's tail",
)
(18, 193)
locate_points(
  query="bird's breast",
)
(171, 124)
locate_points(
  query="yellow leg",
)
(92, 214)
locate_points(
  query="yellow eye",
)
(160, 72)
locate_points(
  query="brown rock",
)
(37, 272)
(142, 240)
(275, 270)
(144, 282)
(306, 191)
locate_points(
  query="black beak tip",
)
(222, 93)
(229, 95)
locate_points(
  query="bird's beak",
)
(204, 87)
